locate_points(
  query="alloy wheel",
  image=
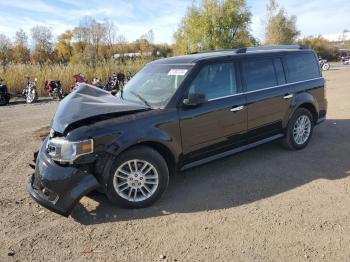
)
(136, 180)
(302, 130)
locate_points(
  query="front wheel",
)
(31, 97)
(299, 130)
(138, 178)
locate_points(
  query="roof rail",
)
(213, 51)
(271, 47)
(244, 50)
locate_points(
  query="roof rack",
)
(269, 47)
(244, 50)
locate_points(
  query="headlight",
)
(65, 151)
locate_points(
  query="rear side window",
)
(259, 74)
(215, 81)
(302, 67)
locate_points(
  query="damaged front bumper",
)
(56, 187)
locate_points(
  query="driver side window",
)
(215, 81)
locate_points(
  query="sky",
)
(134, 18)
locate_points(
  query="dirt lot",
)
(266, 204)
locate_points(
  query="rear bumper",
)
(58, 188)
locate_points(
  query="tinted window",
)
(279, 71)
(259, 74)
(302, 67)
(215, 81)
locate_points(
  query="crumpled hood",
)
(86, 102)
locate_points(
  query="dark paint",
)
(186, 136)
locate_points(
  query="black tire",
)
(142, 153)
(289, 140)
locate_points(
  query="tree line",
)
(207, 25)
(88, 43)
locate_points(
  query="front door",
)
(221, 122)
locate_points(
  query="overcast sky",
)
(135, 17)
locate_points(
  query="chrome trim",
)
(235, 109)
(267, 88)
(288, 96)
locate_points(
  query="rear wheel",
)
(326, 67)
(138, 178)
(31, 97)
(299, 130)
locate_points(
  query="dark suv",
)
(176, 113)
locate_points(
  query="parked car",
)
(175, 114)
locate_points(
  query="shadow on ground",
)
(21, 101)
(241, 179)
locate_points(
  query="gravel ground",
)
(266, 204)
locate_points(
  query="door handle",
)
(288, 96)
(236, 109)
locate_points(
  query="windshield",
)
(155, 84)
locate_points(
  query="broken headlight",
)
(65, 151)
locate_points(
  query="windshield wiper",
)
(141, 98)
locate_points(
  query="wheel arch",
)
(161, 148)
(303, 100)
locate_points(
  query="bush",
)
(323, 47)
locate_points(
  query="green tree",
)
(322, 46)
(214, 24)
(280, 28)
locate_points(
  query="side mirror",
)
(195, 99)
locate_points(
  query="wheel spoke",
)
(136, 180)
(151, 177)
(143, 167)
(148, 170)
(121, 190)
(142, 192)
(120, 185)
(135, 194)
(136, 167)
(147, 189)
(151, 182)
(129, 164)
(129, 195)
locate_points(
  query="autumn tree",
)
(21, 52)
(43, 45)
(145, 42)
(214, 24)
(64, 47)
(90, 35)
(280, 28)
(5, 51)
(322, 46)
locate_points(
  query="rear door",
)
(268, 96)
(221, 122)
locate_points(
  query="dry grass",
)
(14, 75)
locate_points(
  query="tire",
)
(326, 67)
(3, 101)
(120, 174)
(291, 140)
